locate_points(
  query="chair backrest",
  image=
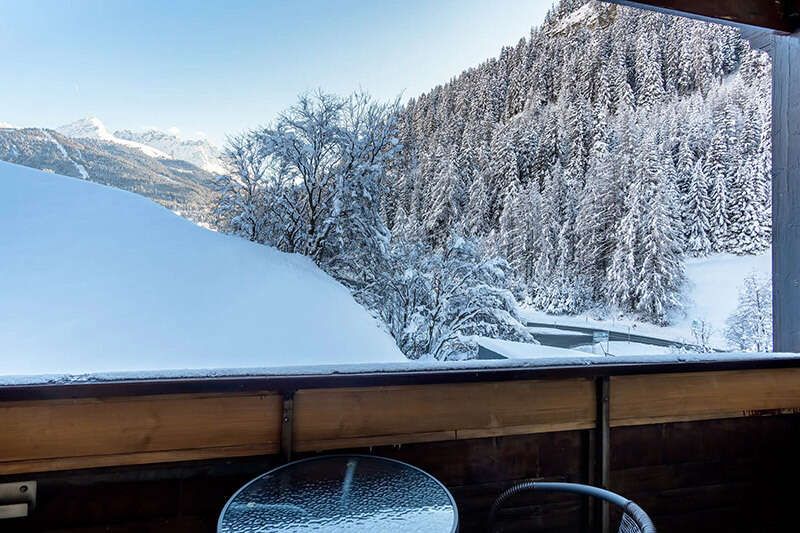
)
(634, 519)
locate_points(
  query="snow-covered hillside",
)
(96, 279)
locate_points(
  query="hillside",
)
(596, 156)
(101, 280)
(175, 184)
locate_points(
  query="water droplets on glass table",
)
(341, 493)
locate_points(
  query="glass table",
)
(353, 493)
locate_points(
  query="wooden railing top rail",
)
(510, 370)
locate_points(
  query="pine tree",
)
(716, 171)
(697, 213)
(746, 229)
(661, 272)
(476, 220)
(650, 84)
(597, 211)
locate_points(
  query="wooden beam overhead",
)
(779, 16)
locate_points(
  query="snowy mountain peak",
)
(93, 128)
(86, 128)
(199, 151)
(153, 142)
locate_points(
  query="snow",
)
(711, 294)
(625, 348)
(714, 283)
(98, 280)
(550, 331)
(526, 350)
(582, 359)
(93, 128)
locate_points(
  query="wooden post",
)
(603, 443)
(786, 193)
(287, 426)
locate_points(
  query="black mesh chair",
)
(634, 519)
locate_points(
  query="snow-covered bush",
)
(435, 301)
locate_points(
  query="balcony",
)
(690, 441)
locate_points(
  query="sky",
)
(224, 66)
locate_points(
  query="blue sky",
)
(220, 67)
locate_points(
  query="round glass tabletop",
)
(353, 493)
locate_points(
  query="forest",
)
(576, 170)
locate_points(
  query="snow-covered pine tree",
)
(597, 210)
(696, 219)
(661, 269)
(746, 231)
(650, 84)
(716, 171)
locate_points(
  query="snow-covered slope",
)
(198, 152)
(96, 279)
(712, 291)
(711, 294)
(93, 128)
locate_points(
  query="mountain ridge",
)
(153, 142)
(177, 185)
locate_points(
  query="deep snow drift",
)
(95, 279)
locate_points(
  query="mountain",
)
(199, 152)
(155, 143)
(95, 279)
(100, 157)
(93, 128)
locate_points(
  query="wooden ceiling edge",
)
(760, 37)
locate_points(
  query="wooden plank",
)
(98, 432)
(771, 15)
(378, 440)
(127, 459)
(650, 399)
(786, 194)
(338, 418)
